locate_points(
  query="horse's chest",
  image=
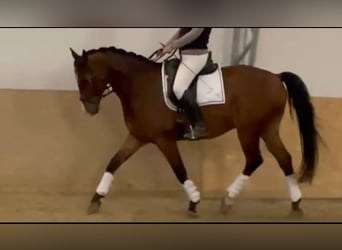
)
(137, 127)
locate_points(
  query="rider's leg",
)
(188, 69)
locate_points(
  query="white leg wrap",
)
(294, 191)
(191, 191)
(104, 186)
(236, 187)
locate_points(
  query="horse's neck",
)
(127, 78)
(127, 64)
(128, 68)
(130, 85)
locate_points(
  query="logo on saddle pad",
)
(207, 87)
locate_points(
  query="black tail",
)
(300, 100)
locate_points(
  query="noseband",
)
(95, 99)
(108, 90)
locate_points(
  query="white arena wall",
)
(39, 58)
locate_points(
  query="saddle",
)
(171, 67)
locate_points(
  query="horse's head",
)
(91, 78)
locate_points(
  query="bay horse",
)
(255, 105)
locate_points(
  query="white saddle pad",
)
(210, 89)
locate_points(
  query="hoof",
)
(192, 209)
(296, 214)
(226, 205)
(296, 211)
(192, 214)
(94, 208)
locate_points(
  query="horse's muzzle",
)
(92, 106)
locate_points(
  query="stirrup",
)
(191, 135)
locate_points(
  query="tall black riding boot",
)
(192, 110)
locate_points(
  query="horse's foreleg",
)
(128, 148)
(170, 150)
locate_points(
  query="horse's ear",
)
(74, 54)
(84, 56)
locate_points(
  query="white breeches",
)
(190, 66)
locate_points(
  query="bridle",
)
(108, 90)
(95, 99)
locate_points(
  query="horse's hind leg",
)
(275, 145)
(170, 150)
(249, 139)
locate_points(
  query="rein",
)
(108, 90)
(158, 50)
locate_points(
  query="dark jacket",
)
(200, 42)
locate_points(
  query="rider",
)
(193, 46)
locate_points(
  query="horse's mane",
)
(120, 51)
